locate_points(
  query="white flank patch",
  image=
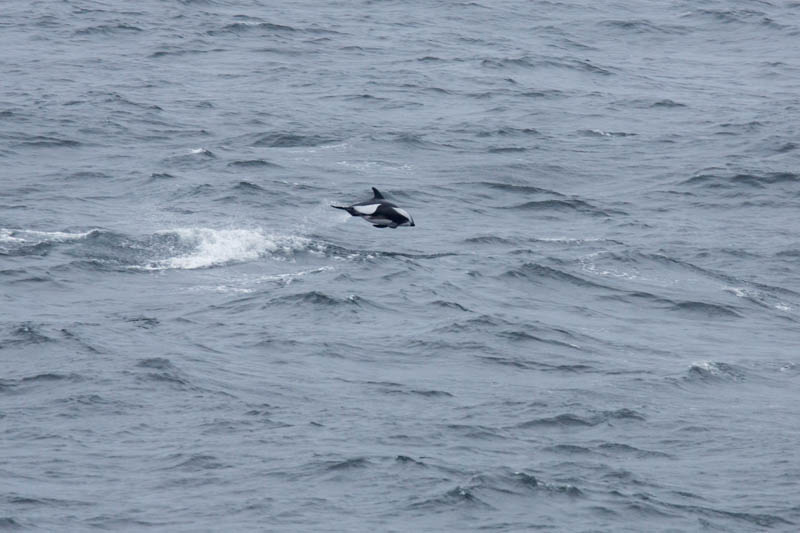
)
(403, 212)
(366, 209)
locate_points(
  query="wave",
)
(19, 242)
(709, 371)
(255, 26)
(241, 27)
(516, 188)
(579, 65)
(603, 133)
(109, 29)
(44, 141)
(311, 297)
(253, 163)
(742, 181)
(289, 140)
(644, 26)
(562, 205)
(704, 309)
(46, 379)
(536, 272)
(180, 248)
(574, 420)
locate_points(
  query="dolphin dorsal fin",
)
(378, 195)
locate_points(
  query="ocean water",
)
(594, 325)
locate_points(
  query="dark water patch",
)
(8, 522)
(786, 148)
(44, 141)
(643, 26)
(456, 497)
(603, 133)
(162, 371)
(490, 239)
(506, 150)
(711, 372)
(196, 463)
(193, 191)
(248, 187)
(290, 140)
(524, 336)
(568, 449)
(539, 273)
(244, 27)
(431, 393)
(551, 93)
(312, 297)
(406, 460)
(322, 300)
(373, 255)
(144, 322)
(729, 16)
(269, 28)
(640, 259)
(513, 361)
(410, 140)
(26, 333)
(517, 189)
(388, 387)
(705, 310)
(742, 182)
(477, 323)
(253, 163)
(46, 379)
(625, 450)
(651, 505)
(106, 250)
(85, 175)
(67, 334)
(507, 131)
(528, 62)
(567, 420)
(109, 29)
(159, 176)
(505, 483)
(347, 464)
(157, 363)
(639, 297)
(562, 420)
(525, 480)
(572, 205)
(476, 431)
(174, 51)
(667, 103)
(450, 305)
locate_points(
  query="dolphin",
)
(379, 212)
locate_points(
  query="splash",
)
(208, 247)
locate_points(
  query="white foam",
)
(211, 247)
(33, 236)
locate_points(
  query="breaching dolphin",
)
(379, 212)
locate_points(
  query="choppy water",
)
(592, 327)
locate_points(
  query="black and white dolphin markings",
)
(379, 212)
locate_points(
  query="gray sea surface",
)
(594, 325)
